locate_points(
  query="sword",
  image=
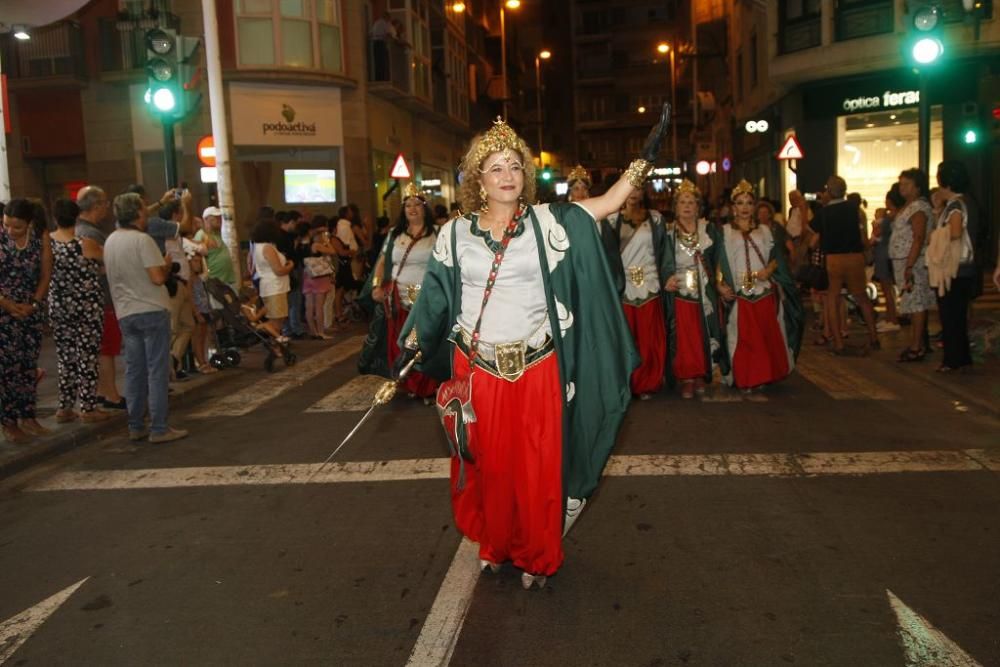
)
(385, 393)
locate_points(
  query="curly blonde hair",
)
(468, 192)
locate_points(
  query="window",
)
(798, 25)
(754, 59)
(456, 71)
(295, 34)
(739, 75)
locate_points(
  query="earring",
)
(482, 197)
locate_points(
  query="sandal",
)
(909, 354)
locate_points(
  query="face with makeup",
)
(687, 208)
(579, 191)
(743, 208)
(502, 176)
(413, 207)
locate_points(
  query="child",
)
(253, 309)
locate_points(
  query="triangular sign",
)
(399, 168)
(791, 149)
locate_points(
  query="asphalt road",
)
(847, 517)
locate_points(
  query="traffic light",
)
(970, 124)
(171, 73)
(924, 47)
(546, 174)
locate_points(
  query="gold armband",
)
(412, 342)
(376, 280)
(637, 171)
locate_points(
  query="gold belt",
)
(506, 360)
(636, 275)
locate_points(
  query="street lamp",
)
(664, 48)
(544, 54)
(458, 7)
(509, 4)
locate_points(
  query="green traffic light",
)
(970, 136)
(926, 50)
(164, 100)
(546, 175)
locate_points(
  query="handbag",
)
(317, 267)
(454, 396)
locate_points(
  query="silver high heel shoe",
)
(528, 579)
(483, 564)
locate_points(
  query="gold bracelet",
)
(376, 281)
(637, 171)
(412, 342)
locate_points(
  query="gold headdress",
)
(499, 138)
(411, 190)
(578, 173)
(688, 187)
(742, 188)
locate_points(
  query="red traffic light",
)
(996, 112)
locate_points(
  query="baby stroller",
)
(241, 334)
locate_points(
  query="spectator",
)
(953, 306)
(217, 258)
(799, 215)
(289, 247)
(137, 273)
(382, 31)
(26, 267)
(76, 314)
(882, 264)
(166, 222)
(906, 250)
(841, 241)
(93, 203)
(274, 269)
(179, 284)
(764, 214)
(316, 284)
(347, 248)
(202, 308)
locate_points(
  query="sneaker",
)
(885, 326)
(169, 435)
(136, 436)
(113, 405)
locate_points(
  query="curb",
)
(991, 407)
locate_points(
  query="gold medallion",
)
(510, 360)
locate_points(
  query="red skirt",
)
(761, 356)
(650, 334)
(416, 382)
(512, 500)
(690, 357)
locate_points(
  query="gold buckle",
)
(412, 292)
(510, 359)
(636, 275)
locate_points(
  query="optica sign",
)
(888, 100)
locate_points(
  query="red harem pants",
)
(512, 502)
(689, 358)
(649, 331)
(416, 382)
(761, 356)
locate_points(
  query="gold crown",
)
(500, 137)
(688, 187)
(742, 188)
(578, 173)
(411, 190)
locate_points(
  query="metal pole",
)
(924, 125)
(673, 104)
(169, 155)
(220, 134)
(538, 96)
(503, 58)
(4, 173)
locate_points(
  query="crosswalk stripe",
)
(353, 396)
(252, 397)
(804, 464)
(838, 380)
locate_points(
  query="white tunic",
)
(517, 309)
(738, 252)
(642, 279)
(409, 276)
(690, 271)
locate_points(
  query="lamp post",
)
(508, 4)
(663, 48)
(544, 54)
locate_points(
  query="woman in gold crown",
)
(688, 266)
(579, 183)
(394, 286)
(764, 315)
(524, 292)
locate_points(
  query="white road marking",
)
(808, 464)
(353, 396)
(439, 634)
(17, 629)
(253, 396)
(835, 377)
(923, 644)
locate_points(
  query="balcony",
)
(53, 57)
(799, 34)
(390, 75)
(864, 19)
(123, 45)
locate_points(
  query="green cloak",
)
(592, 341)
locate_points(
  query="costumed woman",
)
(579, 183)
(639, 241)
(394, 287)
(694, 329)
(764, 313)
(524, 293)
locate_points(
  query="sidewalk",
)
(64, 437)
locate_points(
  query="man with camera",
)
(137, 273)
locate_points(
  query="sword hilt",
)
(387, 391)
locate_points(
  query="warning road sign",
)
(791, 149)
(399, 168)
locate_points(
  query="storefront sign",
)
(888, 100)
(269, 115)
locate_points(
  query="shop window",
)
(798, 25)
(861, 18)
(295, 34)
